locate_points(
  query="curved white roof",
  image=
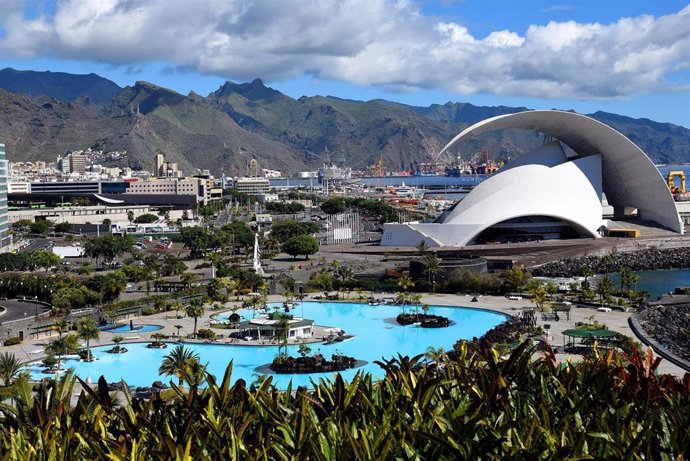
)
(630, 179)
(546, 182)
(567, 190)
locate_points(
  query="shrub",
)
(205, 333)
(12, 341)
(148, 311)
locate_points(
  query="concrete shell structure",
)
(547, 183)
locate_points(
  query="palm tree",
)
(10, 367)
(61, 327)
(433, 267)
(195, 310)
(178, 362)
(117, 339)
(195, 374)
(179, 327)
(422, 248)
(62, 346)
(158, 338)
(254, 302)
(188, 278)
(88, 331)
(540, 297)
(405, 283)
(604, 287)
(416, 299)
(586, 272)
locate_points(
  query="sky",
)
(630, 57)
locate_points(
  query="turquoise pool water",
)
(375, 337)
(137, 329)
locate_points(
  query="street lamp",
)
(36, 305)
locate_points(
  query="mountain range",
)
(45, 114)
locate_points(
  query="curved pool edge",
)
(328, 311)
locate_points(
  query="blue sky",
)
(630, 57)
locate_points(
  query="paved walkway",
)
(616, 320)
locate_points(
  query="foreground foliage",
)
(479, 406)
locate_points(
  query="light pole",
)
(36, 306)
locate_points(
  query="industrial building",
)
(552, 192)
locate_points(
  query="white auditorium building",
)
(551, 192)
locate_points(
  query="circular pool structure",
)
(136, 329)
(375, 337)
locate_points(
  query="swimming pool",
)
(376, 337)
(137, 329)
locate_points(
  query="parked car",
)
(515, 298)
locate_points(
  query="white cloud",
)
(366, 42)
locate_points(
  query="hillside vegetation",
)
(45, 114)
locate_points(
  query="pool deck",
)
(32, 350)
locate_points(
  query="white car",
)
(515, 298)
(604, 309)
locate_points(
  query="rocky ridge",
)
(643, 260)
(669, 325)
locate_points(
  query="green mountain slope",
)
(224, 130)
(59, 85)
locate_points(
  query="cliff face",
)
(237, 122)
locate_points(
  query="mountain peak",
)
(255, 90)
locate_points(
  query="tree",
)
(146, 218)
(405, 283)
(63, 345)
(172, 266)
(118, 339)
(87, 330)
(515, 278)
(108, 248)
(304, 349)
(41, 226)
(285, 230)
(433, 267)
(586, 272)
(604, 287)
(10, 366)
(130, 216)
(62, 227)
(45, 259)
(301, 245)
(422, 248)
(551, 288)
(195, 309)
(333, 205)
(61, 326)
(157, 338)
(540, 297)
(178, 363)
(416, 299)
(322, 280)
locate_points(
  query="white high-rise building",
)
(5, 238)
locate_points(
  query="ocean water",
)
(377, 336)
(658, 283)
